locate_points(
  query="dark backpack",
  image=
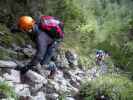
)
(52, 26)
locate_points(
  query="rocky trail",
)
(66, 83)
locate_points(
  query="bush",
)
(103, 20)
(112, 87)
(6, 90)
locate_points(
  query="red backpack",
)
(52, 26)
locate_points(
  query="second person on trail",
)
(48, 32)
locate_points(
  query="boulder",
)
(72, 57)
(52, 86)
(52, 96)
(8, 99)
(35, 77)
(40, 96)
(61, 61)
(7, 64)
(22, 90)
(2, 33)
(13, 76)
(15, 47)
(69, 98)
(74, 83)
(29, 51)
(36, 87)
(72, 90)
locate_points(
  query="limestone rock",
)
(52, 96)
(35, 77)
(8, 64)
(13, 76)
(22, 90)
(69, 98)
(29, 51)
(40, 96)
(72, 57)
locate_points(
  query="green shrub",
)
(103, 20)
(7, 90)
(113, 87)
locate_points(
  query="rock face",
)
(35, 86)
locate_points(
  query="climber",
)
(48, 32)
(100, 54)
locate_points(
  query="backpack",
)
(52, 26)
